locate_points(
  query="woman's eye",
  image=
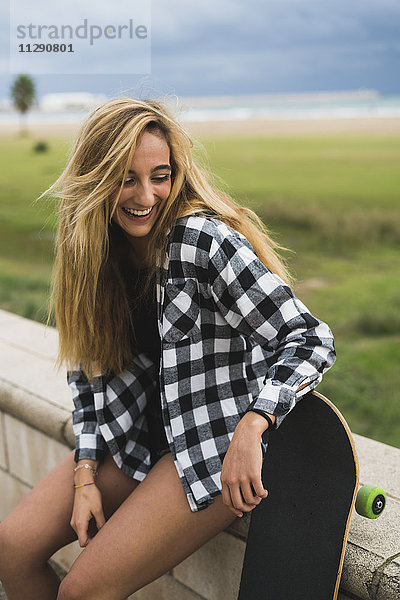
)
(161, 179)
(131, 180)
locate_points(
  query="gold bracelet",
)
(83, 484)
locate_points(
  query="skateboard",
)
(297, 535)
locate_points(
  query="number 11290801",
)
(45, 48)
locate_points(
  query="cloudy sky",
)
(217, 47)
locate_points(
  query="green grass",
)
(360, 297)
(333, 201)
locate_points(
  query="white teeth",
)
(138, 213)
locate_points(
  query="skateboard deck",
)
(297, 535)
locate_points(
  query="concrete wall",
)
(36, 433)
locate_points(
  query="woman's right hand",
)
(87, 505)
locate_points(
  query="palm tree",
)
(23, 96)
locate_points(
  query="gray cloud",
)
(232, 46)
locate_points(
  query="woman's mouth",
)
(137, 215)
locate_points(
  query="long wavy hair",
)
(88, 286)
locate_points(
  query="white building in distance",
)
(71, 101)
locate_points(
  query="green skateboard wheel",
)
(370, 501)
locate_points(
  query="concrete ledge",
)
(31, 389)
(36, 433)
(37, 412)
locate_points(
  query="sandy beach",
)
(267, 128)
(303, 127)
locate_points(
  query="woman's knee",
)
(66, 590)
(21, 547)
(74, 587)
(13, 550)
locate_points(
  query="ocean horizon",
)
(324, 105)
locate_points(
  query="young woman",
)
(184, 344)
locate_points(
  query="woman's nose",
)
(145, 193)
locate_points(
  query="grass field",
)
(333, 201)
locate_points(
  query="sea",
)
(337, 105)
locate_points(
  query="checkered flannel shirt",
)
(234, 337)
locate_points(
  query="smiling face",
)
(147, 186)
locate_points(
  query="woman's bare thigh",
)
(151, 532)
(40, 524)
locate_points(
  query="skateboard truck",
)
(370, 502)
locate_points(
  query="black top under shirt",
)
(146, 338)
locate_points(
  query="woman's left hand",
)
(241, 469)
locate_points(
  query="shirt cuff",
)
(275, 399)
(90, 446)
(89, 454)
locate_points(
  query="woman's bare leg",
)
(151, 532)
(39, 526)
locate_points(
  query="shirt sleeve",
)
(258, 304)
(90, 444)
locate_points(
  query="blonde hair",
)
(91, 306)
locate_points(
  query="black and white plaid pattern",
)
(233, 337)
